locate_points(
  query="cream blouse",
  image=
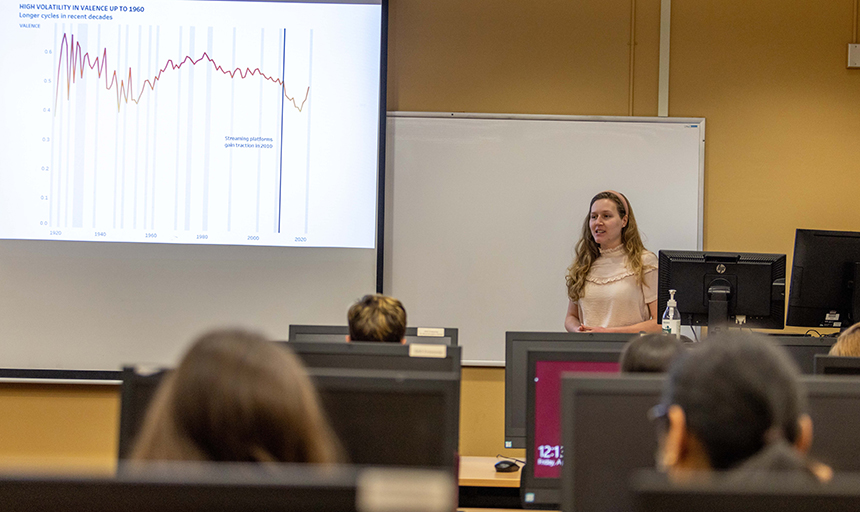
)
(612, 296)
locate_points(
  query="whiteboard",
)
(483, 211)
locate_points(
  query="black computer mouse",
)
(506, 466)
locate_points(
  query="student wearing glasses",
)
(734, 403)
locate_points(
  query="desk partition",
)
(377, 356)
(654, 492)
(803, 349)
(836, 365)
(338, 333)
(225, 487)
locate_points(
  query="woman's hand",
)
(571, 320)
(588, 328)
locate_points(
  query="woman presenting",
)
(612, 283)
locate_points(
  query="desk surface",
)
(491, 510)
(481, 472)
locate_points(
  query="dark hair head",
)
(651, 353)
(739, 392)
(236, 397)
(377, 318)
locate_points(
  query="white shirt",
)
(612, 296)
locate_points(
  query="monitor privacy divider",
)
(804, 349)
(836, 365)
(338, 333)
(227, 487)
(377, 356)
(783, 492)
(517, 345)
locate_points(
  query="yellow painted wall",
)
(770, 77)
(538, 57)
(482, 413)
(59, 427)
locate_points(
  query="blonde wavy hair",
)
(848, 343)
(587, 250)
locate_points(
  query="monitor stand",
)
(718, 305)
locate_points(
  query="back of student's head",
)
(739, 393)
(848, 343)
(377, 318)
(236, 397)
(651, 353)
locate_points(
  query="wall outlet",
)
(854, 55)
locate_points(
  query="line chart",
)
(77, 61)
(213, 143)
(205, 122)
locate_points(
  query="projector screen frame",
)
(19, 248)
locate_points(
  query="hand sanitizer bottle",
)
(671, 317)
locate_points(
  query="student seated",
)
(651, 353)
(848, 343)
(237, 397)
(377, 318)
(734, 403)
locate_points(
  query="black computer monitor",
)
(803, 349)
(836, 365)
(137, 391)
(138, 388)
(382, 417)
(338, 333)
(720, 288)
(834, 405)
(193, 487)
(824, 276)
(516, 369)
(655, 492)
(377, 356)
(541, 476)
(607, 435)
(388, 418)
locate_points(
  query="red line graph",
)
(77, 62)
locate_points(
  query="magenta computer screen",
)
(548, 451)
